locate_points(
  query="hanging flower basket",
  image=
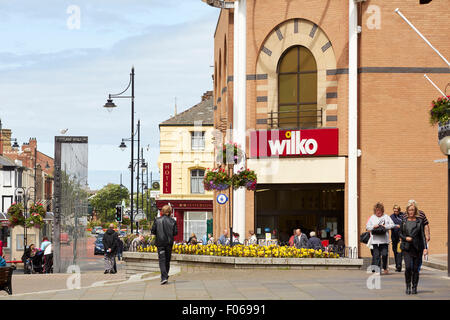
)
(217, 179)
(440, 111)
(245, 179)
(230, 153)
(16, 217)
(39, 209)
(35, 220)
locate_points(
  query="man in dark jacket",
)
(397, 219)
(165, 228)
(314, 242)
(110, 241)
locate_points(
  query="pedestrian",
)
(425, 222)
(2, 261)
(119, 248)
(291, 239)
(48, 258)
(300, 239)
(136, 243)
(378, 225)
(223, 240)
(192, 239)
(45, 242)
(236, 238)
(211, 240)
(110, 239)
(339, 245)
(252, 239)
(1, 248)
(398, 254)
(412, 233)
(205, 238)
(314, 242)
(165, 228)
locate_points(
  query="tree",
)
(107, 198)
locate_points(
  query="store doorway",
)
(282, 208)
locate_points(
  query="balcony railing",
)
(295, 119)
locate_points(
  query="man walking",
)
(395, 237)
(165, 228)
(110, 241)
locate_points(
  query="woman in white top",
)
(252, 240)
(378, 225)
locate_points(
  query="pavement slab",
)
(241, 284)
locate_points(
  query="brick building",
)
(297, 82)
(33, 165)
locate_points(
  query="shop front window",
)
(196, 222)
(297, 89)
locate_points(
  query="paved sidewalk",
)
(437, 261)
(239, 284)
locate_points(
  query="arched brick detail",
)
(292, 33)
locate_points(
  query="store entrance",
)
(282, 208)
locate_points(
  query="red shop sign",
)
(167, 178)
(294, 143)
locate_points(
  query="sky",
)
(60, 59)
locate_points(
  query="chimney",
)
(5, 140)
(207, 95)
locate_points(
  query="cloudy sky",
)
(54, 75)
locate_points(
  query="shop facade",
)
(298, 120)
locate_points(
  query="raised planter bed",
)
(140, 262)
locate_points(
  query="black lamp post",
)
(110, 105)
(445, 148)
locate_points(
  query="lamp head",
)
(122, 146)
(15, 145)
(110, 105)
(445, 145)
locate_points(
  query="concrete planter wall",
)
(140, 262)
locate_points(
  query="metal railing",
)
(301, 118)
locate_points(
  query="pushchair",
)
(37, 261)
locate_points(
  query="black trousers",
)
(164, 256)
(398, 256)
(380, 255)
(413, 260)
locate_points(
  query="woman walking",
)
(378, 225)
(413, 246)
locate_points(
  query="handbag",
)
(379, 231)
(364, 237)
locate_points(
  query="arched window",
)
(297, 89)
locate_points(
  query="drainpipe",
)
(352, 180)
(239, 106)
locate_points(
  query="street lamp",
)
(110, 105)
(444, 144)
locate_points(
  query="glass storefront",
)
(197, 222)
(282, 208)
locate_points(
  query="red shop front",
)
(192, 216)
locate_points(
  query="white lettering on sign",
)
(294, 146)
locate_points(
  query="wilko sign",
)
(167, 178)
(294, 143)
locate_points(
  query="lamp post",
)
(25, 197)
(445, 148)
(110, 105)
(133, 164)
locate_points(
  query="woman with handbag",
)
(413, 246)
(378, 225)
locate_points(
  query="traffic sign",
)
(222, 199)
